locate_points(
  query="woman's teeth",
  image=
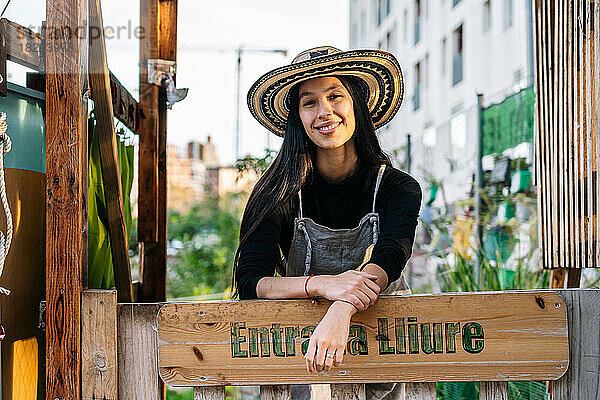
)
(328, 128)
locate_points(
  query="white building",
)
(449, 51)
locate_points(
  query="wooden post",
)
(111, 175)
(66, 192)
(3, 55)
(99, 345)
(137, 348)
(148, 151)
(420, 391)
(275, 392)
(582, 379)
(348, 391)
(209, 393)
(493, 390)
(154, 269)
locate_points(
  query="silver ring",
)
(329, 355)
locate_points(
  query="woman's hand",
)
(355, 287)
(329, 337)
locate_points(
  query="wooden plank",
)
(573, 278)
(23, 46)
(3, 84)
(493, 390)
(525, 339)
(570, 134)
(557, 278)
(148, 148)
(125, 107)
(209, 393)
(99, 345)
(111, 175)
(577, 131)
(596, 125)
(348, 391)
(137, 352)
(420, 391)
(154, 270)
(66, 195)
(275, 392)
(561, 154)
(582, 380)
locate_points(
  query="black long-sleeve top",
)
(338, 206)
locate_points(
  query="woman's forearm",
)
(277, 287)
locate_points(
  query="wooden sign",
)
(421, 338)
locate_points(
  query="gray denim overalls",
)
(320, 250)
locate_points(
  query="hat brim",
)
(379, 70)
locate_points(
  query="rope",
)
(5, 241)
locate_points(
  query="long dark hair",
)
(294, 164)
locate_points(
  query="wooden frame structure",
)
(131, 369)
(567, 52)
(102, 345)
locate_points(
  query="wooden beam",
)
(216, 343)
(582, 380)
(275, 392)
(148, 150)
(154, 269)
(125, 107)
(137, 347)
(348, 391)
(23, 46)
(111, 176)
(209, 393)
(66, 193)
(3, 84)
(493, 390)
(420, 391)
(99, 345)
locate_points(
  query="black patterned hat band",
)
(378, 70)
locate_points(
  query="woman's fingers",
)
(339, 355)
(373, 286)
(329, 359)
(310, 356)
(320, 358)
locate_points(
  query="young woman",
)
(330, 216)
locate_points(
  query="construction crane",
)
(240, 51)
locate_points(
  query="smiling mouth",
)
(328, 128)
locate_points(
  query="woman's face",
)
(327, 112)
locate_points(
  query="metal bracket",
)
(162, 73)
(42, 316)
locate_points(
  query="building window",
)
(417, 91)
(457, 56)
(430, 137)
(455, 2)
(354, 35)
(417, 21)
(458, 135)
(363, 23)
(388, 41)
(405, 26)
(426, 72)
(443, 56)
(508, 14)
(388, 7)
(487, 16)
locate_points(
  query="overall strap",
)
(300, 208)
(379, 176)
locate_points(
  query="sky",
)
(208, 34)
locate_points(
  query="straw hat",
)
(379, 70)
